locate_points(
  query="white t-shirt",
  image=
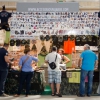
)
(51, 58)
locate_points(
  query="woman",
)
(65, 59)
(26, 71)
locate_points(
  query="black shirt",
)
(3, 63)
(4, 16)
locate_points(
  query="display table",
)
(69, 85)
(11, 85)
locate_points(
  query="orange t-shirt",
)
(69, 46)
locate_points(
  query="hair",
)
(87, 46)
(27, 46)
(26, 50)
(54, 48)
(3, 7)
(5, 45)
(61, 50)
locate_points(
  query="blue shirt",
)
(27, 65)
(88, 60)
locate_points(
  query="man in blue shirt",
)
(88, 62)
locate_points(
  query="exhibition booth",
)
(43, 25)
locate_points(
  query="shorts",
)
(54, 76)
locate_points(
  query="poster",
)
(26, 25)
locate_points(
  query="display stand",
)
(51, 28)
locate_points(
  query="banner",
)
(47, 7)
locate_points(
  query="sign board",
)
(47, 7)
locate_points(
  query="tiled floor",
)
(39, 97)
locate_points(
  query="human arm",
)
(80, 60)
(6, 57)
(96, 64)
(0, 17)
(34, 62)
(20, 63)
(46, 59)
(35, 59)
(66, 60)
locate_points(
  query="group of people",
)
(25, 65)
(87, 62)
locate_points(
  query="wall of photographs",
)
(27, 25)
(52, 28)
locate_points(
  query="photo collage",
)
(25, 25)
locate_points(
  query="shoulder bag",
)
(24, 62)
(52, 64)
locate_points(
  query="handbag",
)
(52, 64)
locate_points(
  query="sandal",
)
(53, 94)
(26, 95)
(58, 94)
(16, 95)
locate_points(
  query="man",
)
(3, 67)
(54, 75)
(88, 62)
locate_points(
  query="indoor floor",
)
(39, 97)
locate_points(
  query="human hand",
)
(12, 63)
(95, 68)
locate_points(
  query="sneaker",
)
(4, 95)
(80, 95)
(88, 95)
(59, 95)
(26, 95)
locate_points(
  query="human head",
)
(60, 51)
(54, 48)
(6, 45)
(3, 7)
(1, 45)
(86, 47)
(27, 51)
(27, 46)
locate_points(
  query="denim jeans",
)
(25, 76)
(85, 73)
(3, 76)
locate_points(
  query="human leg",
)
(28, 81)
(51, 80)
(52, 88)
(82, 82)
(58, 82)
(90, 82)
(3, 76)
(22, 80)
